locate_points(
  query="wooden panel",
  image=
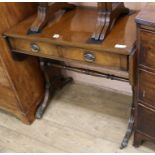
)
(3, 79)
(147, 87)
(0, 63)
(145, 80)
(12, 13)
(28, 88)
(146, 121)
(7, 99)
(147, 48)
(132, 67)
(147, 27)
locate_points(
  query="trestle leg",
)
(51, 84)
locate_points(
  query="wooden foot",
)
(52, 83)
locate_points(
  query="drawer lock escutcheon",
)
(89, 57)
(35, 48)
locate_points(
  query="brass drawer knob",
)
(89, 57)
(35, 48)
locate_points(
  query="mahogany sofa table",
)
(65, 43)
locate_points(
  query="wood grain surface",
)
(26, 90)
(75, 28)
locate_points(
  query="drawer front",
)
(147, 49)
(3, 78)
(146, 121)
(146, 91)
(34, 48)
(115, 61)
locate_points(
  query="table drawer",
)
(146, 121)
(34, 47)
(146, 84)
(147, 49)
(106, 59)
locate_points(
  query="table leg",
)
(51, 84)
(130, 125)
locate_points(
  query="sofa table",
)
(65, 43)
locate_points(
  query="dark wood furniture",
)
(20, 90)
(64, 43)
(145, 85)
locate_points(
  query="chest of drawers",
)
(145, 99)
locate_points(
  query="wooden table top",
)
(76, 27)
